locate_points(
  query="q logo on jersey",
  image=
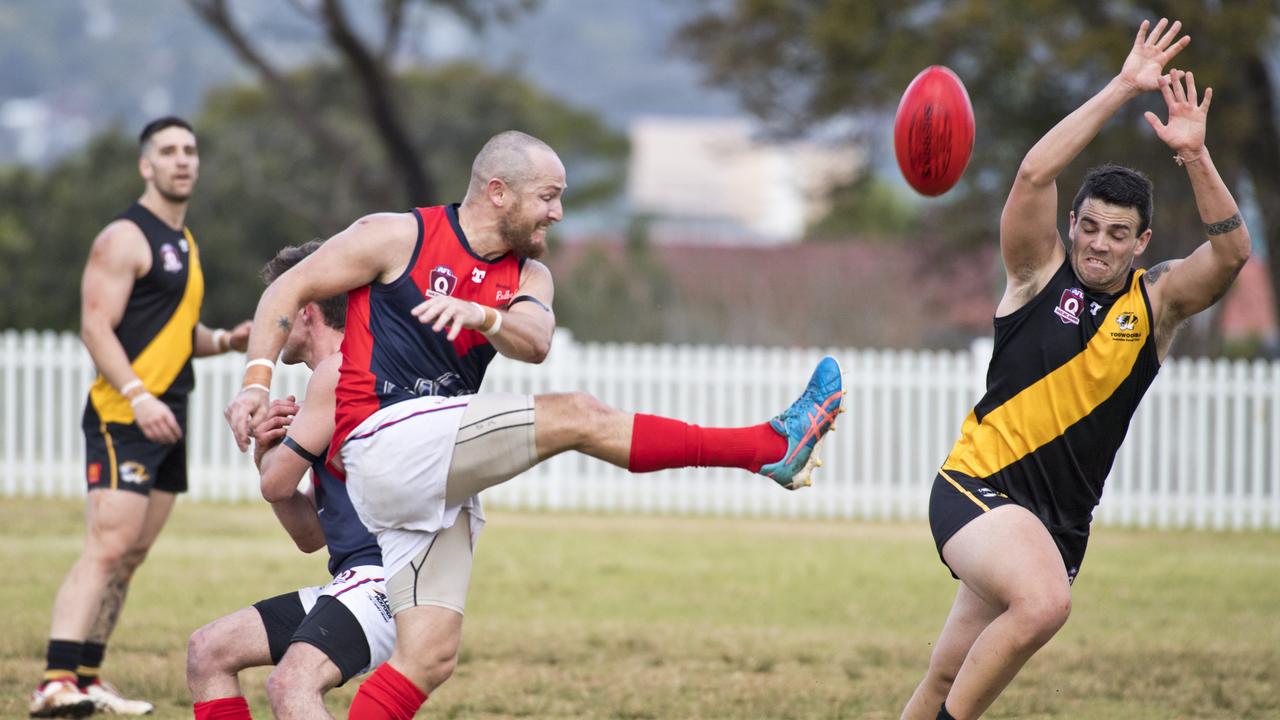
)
(443, 281)
(169, 258)
(1069, 306)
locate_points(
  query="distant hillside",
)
(73, 69)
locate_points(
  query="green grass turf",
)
(592, 616)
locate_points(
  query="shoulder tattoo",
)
(284, 324)
(1225, 226)
(1155, 272)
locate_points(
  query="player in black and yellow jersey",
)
(1079, 336)
(140, 320)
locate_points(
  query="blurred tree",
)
(606, 299)
(869, 206)
(1026, 66)
(367, 63)
(263, 184)
(47, 221)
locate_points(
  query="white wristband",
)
(268, 364)
(129, 386)
(139, 398)
(256, 386)
(497, 324)
(221, 341)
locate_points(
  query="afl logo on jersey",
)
(443, 281)
(1070, 305)
(169, 258)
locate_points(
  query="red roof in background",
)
(855, 293)
(869, 294)
(1249, 309)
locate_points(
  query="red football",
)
(933, 131)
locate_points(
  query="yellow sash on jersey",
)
(1044, 410)
(168, 352)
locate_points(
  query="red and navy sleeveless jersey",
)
(350, 543)
(388, 356)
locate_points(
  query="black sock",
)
(61, 660)
(90, 661)
(943, 714)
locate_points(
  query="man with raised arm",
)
(436, 293)
(1079, 336)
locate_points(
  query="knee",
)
(431, 669)
(105, 557)
(586, 407)
(941, 677)
(588, 412)
(440, 669)
(204, 654)
(132, 559)
(284, 681)
(1042, 615)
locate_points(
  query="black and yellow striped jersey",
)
(158, 327)
(1066, 375)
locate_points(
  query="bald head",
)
(510, 156)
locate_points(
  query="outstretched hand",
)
(1184, 131)
(1145, 65)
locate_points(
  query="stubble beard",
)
(173, 196)
(519, 239)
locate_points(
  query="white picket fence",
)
(1203, 450)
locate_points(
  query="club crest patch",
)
(169, 258)
(134, 473)
(1128, 332)
(1069, 306)
(442, 280)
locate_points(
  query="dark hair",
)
(334, 309)
(159, 124)
(1117, 185)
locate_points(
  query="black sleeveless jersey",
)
(1066, 375)
(158, 327)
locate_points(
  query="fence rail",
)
(1203, 450)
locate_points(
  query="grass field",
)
(578, 616)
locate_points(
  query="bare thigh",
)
(1005, 555)
(311, 666)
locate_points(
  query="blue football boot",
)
(805, 424)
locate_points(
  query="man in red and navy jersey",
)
(435, 294)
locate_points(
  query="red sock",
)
(658, 443)
(232, 708)
(386, 695)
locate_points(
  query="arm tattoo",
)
(1155, 272)
(284, 324)
(1225, 226)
